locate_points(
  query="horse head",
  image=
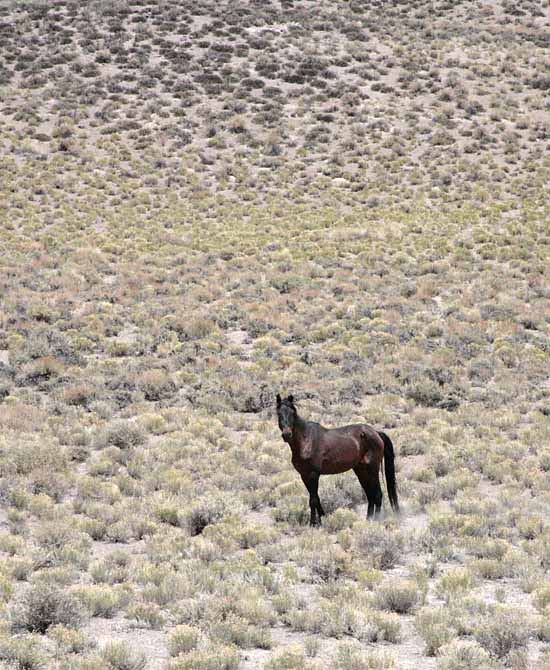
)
(286, 414)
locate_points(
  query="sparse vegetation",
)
(44, 605)
(201, 206)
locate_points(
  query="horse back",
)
(343, 448)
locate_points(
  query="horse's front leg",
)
(311, 482)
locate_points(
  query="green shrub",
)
(113, 569)
(6, 589)
(381, 546)
(397, 595)
(349, 657)
(328, 564)
(436, 628)
(453, 584)
(211, 657)
(541, 597)
(155, 384)
(44, 605)
(24, 653)
(122, 433)
(147, 614)
(339, 520)
(489, 568)
(201, 514)
(68, 640)
(183, 639)
(504, 630)
(463, 655)
(425, 392)
(104, 601)
(119, 656)
(291, 657)
(235, 630)
(61, 544)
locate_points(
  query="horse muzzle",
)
(286, 434)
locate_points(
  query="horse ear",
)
(290, 398)
(278, 400)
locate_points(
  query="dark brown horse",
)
(320, 451)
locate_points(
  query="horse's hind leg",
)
(320, 508)
(316, 510)
(368, 478)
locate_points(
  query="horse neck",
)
(299, 435)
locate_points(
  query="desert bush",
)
(530, 527)
(20, 568)
(29, 456)
(435, 626)
(24, 653)
(541, 625)
(291, 657)
(155, 384)
(284, 601)
(81, 394)
(329, 620)
(39, 370)
(335, 620)
(148, 615)
(453, 584)
(45, 483)
(504, 630)
(120, 656)
(59, 576)
(399, 596)
(46, 342)
(155, 423)
(235, 630)
(489, 568)
(68, 640)
(96, 529)
(113, 569)
(387, 625)
(413, 447)
(340, 492)
(425, 392)
(6, 589)
(379, 545)
(121, 433)
(329, 564)
(339, 520)
(253, 536)
(249, 395)
(541, 597)
(311, 647)
(183, 639)
(165, 590)
(60, 544)
(168, 511)
(44, 605)
(540, 548)
(210, 657)
(228, 260)
(11, 544)
(463, 655)
(349, 657)
(104, 601)
(20, 416)
(202, 514)
(292, 510)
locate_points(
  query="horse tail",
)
(389, 467)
